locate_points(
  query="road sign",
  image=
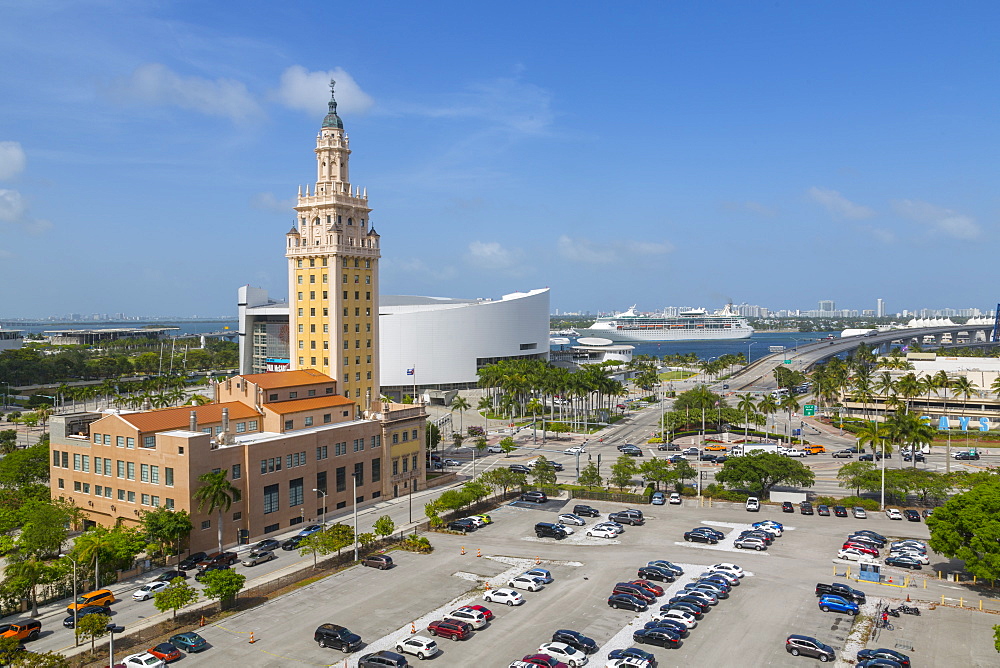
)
(809, 410)
(788, 361)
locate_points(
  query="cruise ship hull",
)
(669, 334)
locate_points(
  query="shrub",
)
(414, 543)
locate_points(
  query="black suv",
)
(463, 525)
(192, 561)
(576, 640)
(334, 635)
(806, 508)
(383, 659)
(807, 646)
(519, 468)
(549, 530)
(627, 516)
(534, 496)
(585, 511)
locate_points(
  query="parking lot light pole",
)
(324, 505)
(113, 629)
(76, 636)
(354, 480)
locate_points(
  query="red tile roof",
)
(166, 419)
(272, 381)
(312, 403)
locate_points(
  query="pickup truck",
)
(838, 589)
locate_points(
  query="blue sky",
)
(670, 153)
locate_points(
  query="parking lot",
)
(775, 599)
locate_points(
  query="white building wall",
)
(442, 343)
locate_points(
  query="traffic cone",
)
(463, 549)
(487, 585)
(202, 622)
(413, 627)
(252, 640)
(537, 560)
(907, 598)
(479, 552)
(890, 579)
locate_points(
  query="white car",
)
(478, 521)
(893, 514)
(525, 582)
(560, 651)
(143, 660)
(612, 526)
(796, 453)
(675, 499)
(602, 532)
(685, 618)
(507, 596)
(419, 646)
(469, 616)
(576, 449)
(729, 568)
(628, 662)
(493, 449)
(771, 529)
(570, 518)
(918, 556)
(850, 554)
(148, 591)
(907, 543)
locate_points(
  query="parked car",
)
(168, 576)
(893, 514)
(699, 537)
(602, 532)
(200, 575)
(218, 558)
(419, 646)
(192, 643)
(911, 515)
(658, 499)
(474, 618)
(576, 640)
(564, 652)
(525, 582)
(907, 457)
(823, 510)
(797, 645)
(655, 573)
(310, 530)
(519, 468)
(903, 561)
(453, 629)
(570, 518)
(465, 525)
(628, 516)
(266, 544)
(627, 601)
(382, 562)
(383, 659)
(806, 508)
(549, 530)
(675, 499)
(632, 653)
(510, 597)
(191, 561)
(633, 590)
(715, 533)
(142, 660)
(680, 616)
(335, 635)
(661, 637)
(534, 496)
(787, 507)
(585, 511)
(926, 512)
(729, 568)
(859, 513)
(750, 543)
(843, 453)
(833, 603)
(883, 653)
(840, 511)
(851, 554)
(292, 543)
(166, 652)
(841, 590)
(540, 574)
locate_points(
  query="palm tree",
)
(89, 545)
(216, 494)
(965, 388)
(909, 387)
(768, 406)
(790, 404)
(747, 405)
(31, 571)
(460, 404)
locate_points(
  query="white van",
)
(779, 393)
(753, 504)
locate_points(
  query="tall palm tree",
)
(32, 572)
(460, 404)
(747, 405)
(909, 387)
(965, 388)
(768, 406)
(790, 404)
(89, 545)
(216, 494)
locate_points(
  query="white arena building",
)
(443, 341)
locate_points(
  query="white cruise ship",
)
(693, 325)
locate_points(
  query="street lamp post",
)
(113, 629)
(748, 351)
(354, 481)
(324, 504)
(76, 636)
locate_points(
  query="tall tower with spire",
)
(333, 254)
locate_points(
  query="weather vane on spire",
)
(333, 83)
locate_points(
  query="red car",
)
(450, 628)
(487, 613)
(654, 589)
(543, 661)
(165, 651)
(861, 548)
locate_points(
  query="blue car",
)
(310, 530)
(831, 603)
(633, 652)
(189, 642)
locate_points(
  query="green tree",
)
(681, 472)
(656, 470)
(25, 575)
(216, 494)
(503, 478)
(43, 660)
(167, 527)
(480, 445)
(92, 627)
(507, 445)
(384, 526)
(590, 476)
(432, 509)
(456, 439)
(10, 648)
(622, 471)
(25, 467)
(341, 536)
(223, 585)
(996, 637)
(175, 596)
(432, 434)
(559, 427)
(966, 527)
(859, 476)
(366, 538)
(543, 473)
(90, 546)
(8, 441)
(460, 404)
(44, 528)
(763, 470)
(476, 490)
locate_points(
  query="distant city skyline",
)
(151, 153)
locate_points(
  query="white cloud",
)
(880, 234)
(586, 251)
(491, 255)
(505, 102)
(837, 205)
(308, 91)
(268, 202)
(938, 219)
(11, 159)
(14, 210)
(156, 84)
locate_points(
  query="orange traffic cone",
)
(463, 549)
(890, 579)
(252, 641)
(487, 585)
(537, 560)
(479, 552)
(413, 627)
(907, 598)
(202, 622)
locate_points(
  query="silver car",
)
(570, 518)
(255, 558)
(750, 543)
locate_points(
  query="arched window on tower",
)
(316, 221)
(350, 221)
